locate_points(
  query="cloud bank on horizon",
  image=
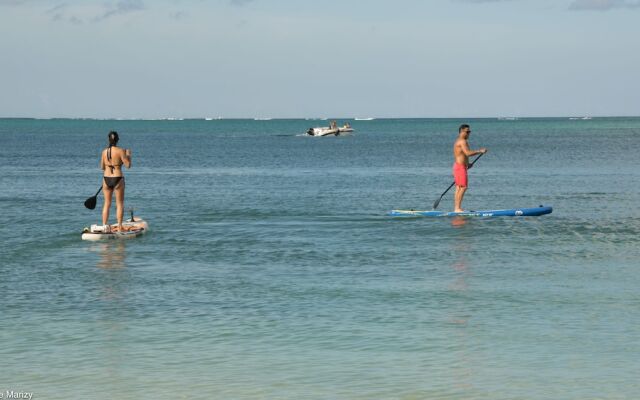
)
(603, 5)
(240, 3)
(578, 5)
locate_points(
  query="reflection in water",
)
(112, 308)
(459, 249)
(460, 282)
(460, 314)
(112, 255)
(458, 222)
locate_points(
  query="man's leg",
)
(457, 199)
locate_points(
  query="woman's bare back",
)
(119, 157)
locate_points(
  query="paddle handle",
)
(98, 191)
(473, 162)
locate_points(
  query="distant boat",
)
(507, 118)
(328, 131)
(576, 118)
(364, 119)
(262, 119)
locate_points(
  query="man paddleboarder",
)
(461, 154)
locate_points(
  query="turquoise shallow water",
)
(272, 271)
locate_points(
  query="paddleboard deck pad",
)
(133, 228)
(514, 212)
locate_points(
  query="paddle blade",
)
(435, 205)
(90, 203)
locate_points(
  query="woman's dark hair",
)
(113, 138)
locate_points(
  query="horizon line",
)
(361, 119)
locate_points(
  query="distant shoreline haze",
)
(264, 119)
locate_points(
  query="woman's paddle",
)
(90, 203)
(435, 205)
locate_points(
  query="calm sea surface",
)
(272, 272)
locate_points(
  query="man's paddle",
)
(435, 205)
(90, 203)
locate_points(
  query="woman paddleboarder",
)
(111, 162)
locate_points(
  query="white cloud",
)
(14, 2)
(78, 13)
(121, 8)
(178, 15)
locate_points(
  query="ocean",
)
(271, 270)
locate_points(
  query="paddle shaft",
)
(435, 205)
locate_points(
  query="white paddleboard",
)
(133, 228)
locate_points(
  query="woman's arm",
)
(102, 166)
(126, 158)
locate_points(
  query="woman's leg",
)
(119, 189)
(107, 203)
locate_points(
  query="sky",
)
(310, 58)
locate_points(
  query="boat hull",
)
(326, 131)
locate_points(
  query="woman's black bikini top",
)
(113, 167)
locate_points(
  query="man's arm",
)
(468, 152)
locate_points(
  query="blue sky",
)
(303, 58)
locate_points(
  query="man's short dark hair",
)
(463, 126)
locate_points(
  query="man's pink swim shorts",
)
(460, 174)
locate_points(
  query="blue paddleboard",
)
(514, 212)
